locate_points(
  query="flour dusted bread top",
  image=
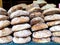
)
(5, 32)
(55, 28)
(4, 23)
(21, 40)
(36, 20)
(19, 13)
(52, 23)
(3, 17)
(56, 33)
(56, 39)
(41, 40)
(52, 17)
(3, 11)
(35, 14)
(21, 27)
(51, 11)
(16, 7)
(23, 33)
(20, 20)
(6, 39)
(39, 26)
(42, 34)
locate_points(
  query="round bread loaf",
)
(5, 32)
(23, 33)
(21, 40)
(6, 39)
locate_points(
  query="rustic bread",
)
(6, 39)
(20, 20)
(4, 23)
(42, 34)
(19, 13)
(16, 7)
(21, 40)
(5, 32)
(56, 33)
(21, 27)
(36, 20)
(52, 23)
(52, 17)
(56, 39)
(41, 40)
(23, 33)
(39, 26)
(51, 11)
(55, 28)
(3, 17)
(35, 14)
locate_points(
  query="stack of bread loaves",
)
(52, 18)
(40, 34)
(38, 26)
(4, 30)
(20, 21)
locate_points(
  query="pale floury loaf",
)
(51, 11)
(41, 40)
(4, 23)
(35, 14)
(6, 39)
(19, 20)
(56, 39)
(23, 33)
(5, 32)
(21, 40)
(16, 7)
(36, 20)
(52, 23)
(19, 13)
(39, 26)
(42, 34)
(3, 17)
(55, 28)
(56, 33)
(52, 17)
(21, 27)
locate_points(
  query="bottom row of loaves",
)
(23, 36)
(28, 39)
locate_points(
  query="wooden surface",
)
(0, 3)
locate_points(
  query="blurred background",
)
(9, 3)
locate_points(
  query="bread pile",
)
(5, 31)
(38, 20)
(21, 27)
(52, 18)
(39, 27)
